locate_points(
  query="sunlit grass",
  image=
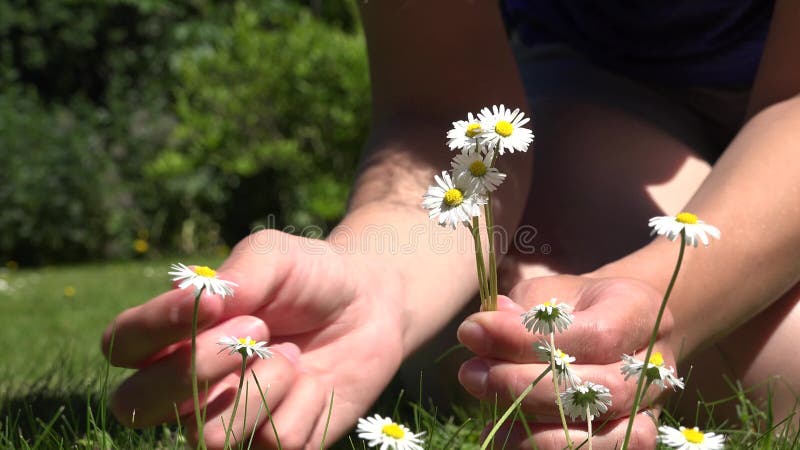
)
(52, 374)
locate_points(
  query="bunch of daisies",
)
(461, 192)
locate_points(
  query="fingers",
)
(296, 417)
(592, 338)
(152, 393)
(280, 278)
(493, 379)
(605, 435)
(617, 317)
(277, 378)
(139, 333)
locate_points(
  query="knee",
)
(783, 112)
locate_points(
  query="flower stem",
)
(654, 335)
(558, 391)
(492, 258)
(511, 409)
(201, 441)
(481, 266)
(235, 402)
(589, 425)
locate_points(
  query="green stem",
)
(481, 265)
(201, 441)
(558, 391)
(654, 335)
(235, 403)
(510, 409)
(492, 258)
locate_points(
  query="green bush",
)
(179, 121)
(277, 104)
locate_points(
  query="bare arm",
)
(752, 195)
(430, 64)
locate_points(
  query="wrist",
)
(407, 257)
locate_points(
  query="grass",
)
(53, 377)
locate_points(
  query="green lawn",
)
(53, 374)
(51, 319)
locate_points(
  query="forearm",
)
(430, 64)
(752, 196)
(387, 226)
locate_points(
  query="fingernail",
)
(473, 335)
(473, 376)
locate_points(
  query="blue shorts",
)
(704, 118)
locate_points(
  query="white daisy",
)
(453, 202)
(478, 170)
(377, 430)
(690, 438)
(201, 277)
(670, 227)
(562, 361)
(465, 134)
(656, 372)
(504, 129)
(548, 317)
(577, 398)
(246, 346)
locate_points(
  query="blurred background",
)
(133, 128)
(139, 133)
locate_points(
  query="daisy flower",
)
(465, 134)
(453, 202)
(201, 277)
(377, 430)
(656, 372)
(670, 227)
(246, 346)
(478, 171)
(690, 438)
(562, 361)
(577, 398)
(504, 129)
(548, 317)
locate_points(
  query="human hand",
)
(333, 321)
(612, 316)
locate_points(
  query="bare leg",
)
(600, 174)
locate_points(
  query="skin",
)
(343, 313)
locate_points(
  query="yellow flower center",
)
(693, 435)
(453, 197)
(687, 218)
(205, 271)
(503, 128)
(477, 168)
(246, 341)
(393, 430)
(473, 130)
(657, 359)
(546, 304)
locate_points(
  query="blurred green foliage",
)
(177, 122)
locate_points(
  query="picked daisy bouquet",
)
(461, 193)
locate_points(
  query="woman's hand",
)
(612, 316)
(336, 324)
